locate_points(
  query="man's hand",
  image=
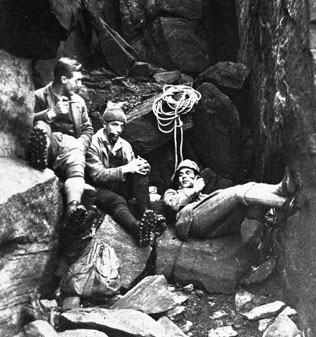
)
(60, 109)
(145, 167)
(137, 165)
(198, 185)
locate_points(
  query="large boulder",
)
(34, 30)
(176, 40)
(187, 35)
(30, 209)
(16, 104)
(115, 322)
(232, 79)
(174, 43)
(151, 296)
(142, 122)
(215, 265)
(118, 53)
(137, 14)
(216, 135)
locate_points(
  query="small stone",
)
(264, 323)
(187, 327)
(242, 298)
(219, 322)
(218, 314)
(173, 313)
(179, 298)
(288, 311)
(283, 326)
(265, 311)
(188, 288)
(172, 288)
(70, 303)
(49, 304)
(224, 331)
(237, 326)
(199, 293)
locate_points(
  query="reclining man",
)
(62, 133)
(205, 209)
(118, 176)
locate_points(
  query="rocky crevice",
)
(275, 103)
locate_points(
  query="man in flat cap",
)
(119, 176)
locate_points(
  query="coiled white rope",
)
(175, 101)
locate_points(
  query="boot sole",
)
(37, 149)
(145, 227)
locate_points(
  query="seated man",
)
(221, 212)
(119, 176)
(62, 133)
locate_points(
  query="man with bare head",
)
(62, 133)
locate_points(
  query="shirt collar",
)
(117, 146)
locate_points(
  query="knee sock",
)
(74, 188)
(260, 194)
(126, 219)
(141, 192)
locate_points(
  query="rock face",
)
(16, 104)
(275, 47)
(216, 131)
(30, 209)
(32, 31)
(184, 35)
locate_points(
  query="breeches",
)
(112, 198)
(65, 156)
(217, 215)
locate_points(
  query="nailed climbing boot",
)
(288, 183)
(144, 227)
(278, 217)
(37, 149)
(159, 225)
(76, 213)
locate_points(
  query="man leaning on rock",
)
(62, 133)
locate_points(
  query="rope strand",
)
(170, 120)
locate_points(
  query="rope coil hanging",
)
(176, 100)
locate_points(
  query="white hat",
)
(188, 164)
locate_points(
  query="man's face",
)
(186, 177)
(113, 130)
(72, 84)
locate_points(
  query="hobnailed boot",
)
(76, 213)
(144, 228)
(288, 187)
(159, 225)
(37, 149)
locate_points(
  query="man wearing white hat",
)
(209, 208)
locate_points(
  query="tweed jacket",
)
(82, 128)
(98, 159)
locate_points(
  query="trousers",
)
(65, 155)
(113, 199)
